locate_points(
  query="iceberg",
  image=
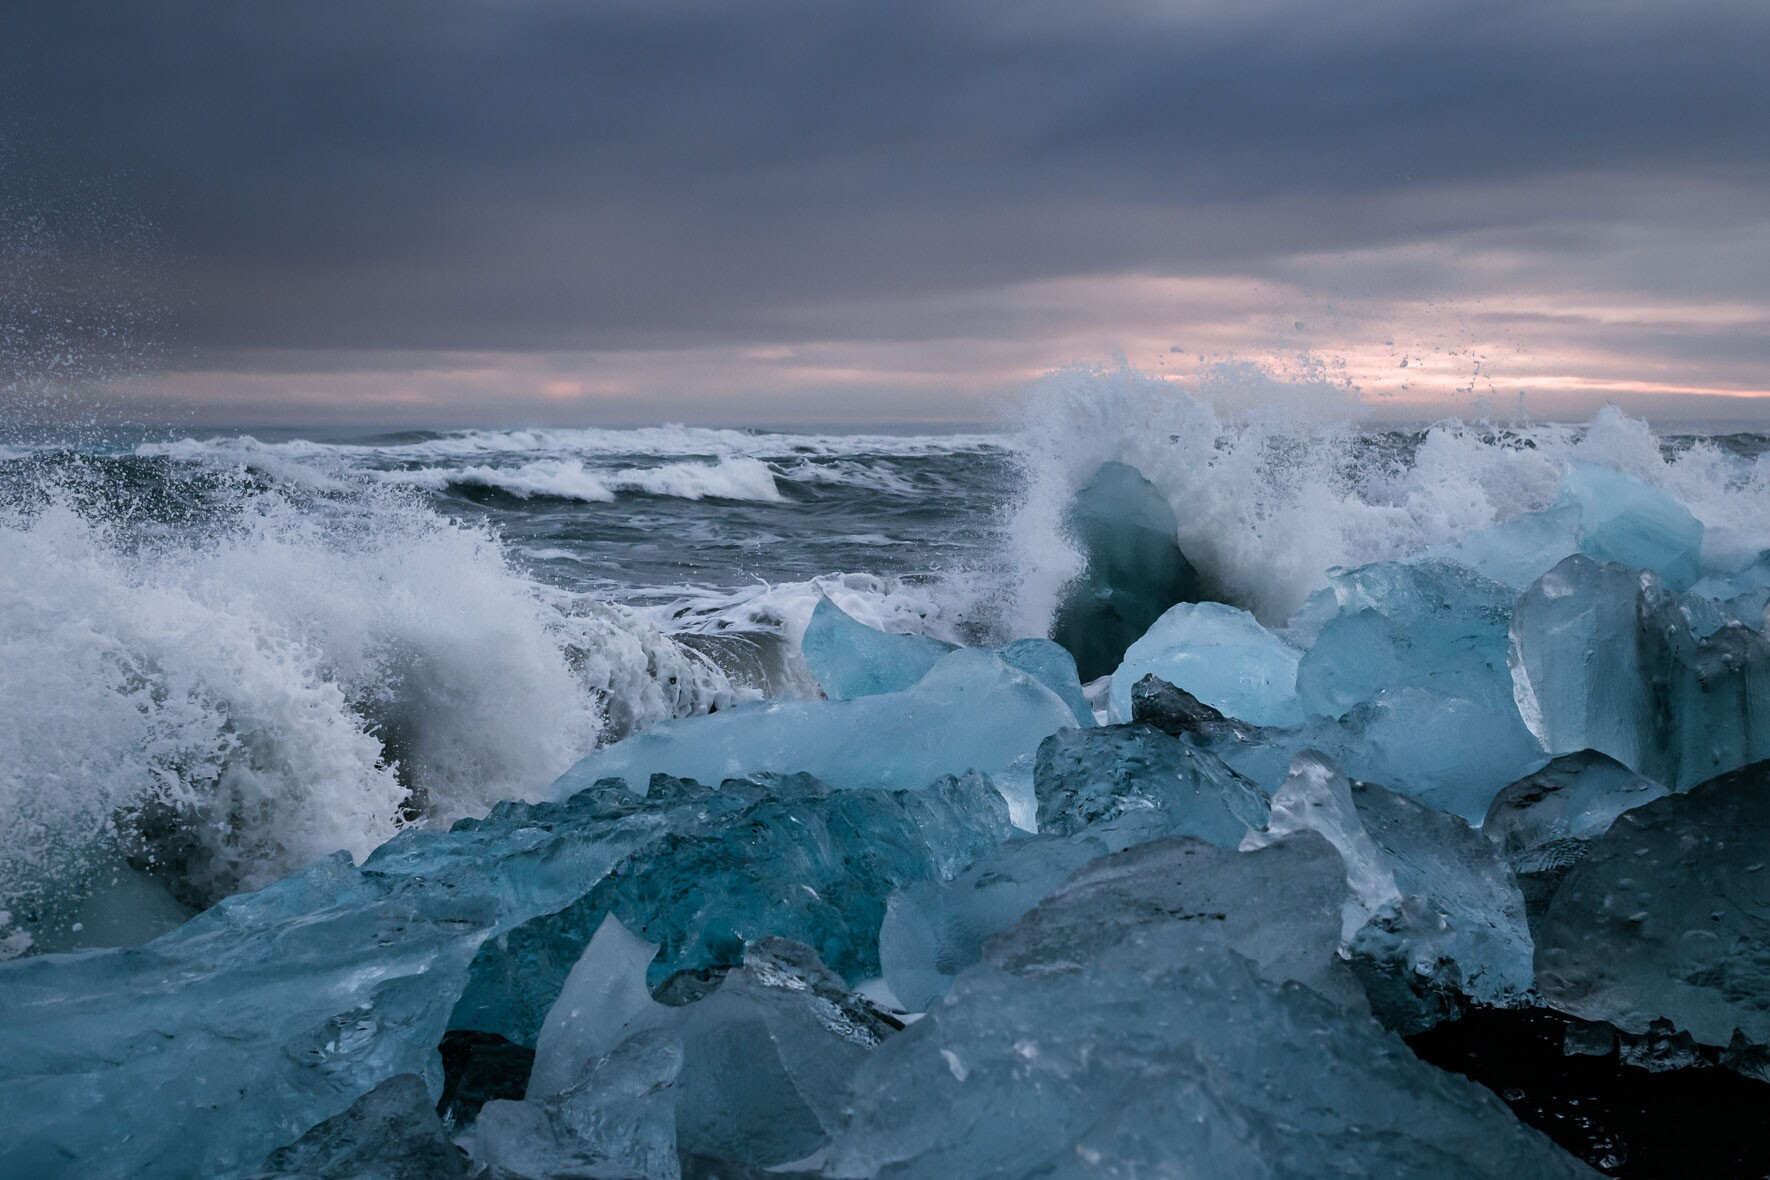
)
(390, 1133)
(799, 860)
(1220, 655)
(1125, 530)
(1094, 778)
(1624, 521)
(1670, 685)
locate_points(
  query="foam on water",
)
(1274, 483)
(303, 676)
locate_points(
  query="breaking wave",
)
(299, 674)
(1274, 483)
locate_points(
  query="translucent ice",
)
(1125, 530)
(798, 860)
(1668, 916)
(1515, 552)
(1432, 912)
(1433, 626)
(973, 711)
(754, 1073)
(204, 1050)
(1176, 1010)
(1220, 655)
(1089, 778)
(936, 929)
(1053, 667)
(1543, 823)
(1625, 521)
(1672, 686)
(850, 659)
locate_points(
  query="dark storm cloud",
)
(478, 175)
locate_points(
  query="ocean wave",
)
(1274, 483)
(304, 676)
(568, 479)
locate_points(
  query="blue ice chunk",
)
(1672, 686)
(1095, 778)
(1665, 917)
(1055, 668)
(1432, 914)
(1744, 593)
(1515, 552)
(936, 929)
(1220, 655)
(1429, 625)
(204, 1050)
(971, 712)
(1125, 529)
(850, 659)
(1177, 1009)
(1625, 521)
(803, 862)
(1543, 823)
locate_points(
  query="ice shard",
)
(972, 711)
(1222, 656)
(390, 1133)
(850, 659)
(1623, 520)
(1125, 530)
(1432, 914)
(1543, 823)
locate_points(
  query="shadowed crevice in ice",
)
(1125, 530)
(1620, 1111)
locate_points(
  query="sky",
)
(821, 211)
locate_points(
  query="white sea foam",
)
(304, 678)
(571, 479)
(1273, 483)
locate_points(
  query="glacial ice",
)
(1668, 916)
(753, 1073)
(390, 1133)
(213, 1045)
(1125, 529)
(1623, 520)
(1094, 778)
(1432, 626)
(1432, 913)
(1670, 685)
(972, 711)
(1177, 1009)
(1220, 655)
(796, 860)
(850, 659)
(1543, 823)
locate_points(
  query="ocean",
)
(228, 655)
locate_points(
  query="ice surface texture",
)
(1176, 1009)
(206, 1049)
(1222, 656)
(972, 711)
(1671, 685)
(1668, 916)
